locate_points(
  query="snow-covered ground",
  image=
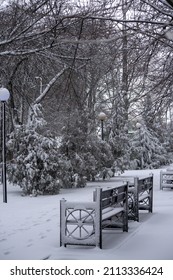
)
(29, 227)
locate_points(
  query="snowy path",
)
(29, 228)
(153, 238)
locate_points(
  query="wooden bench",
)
(140, 194)
(166, 179)
(81, 223)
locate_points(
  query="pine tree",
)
(36, 166)
(146, 151)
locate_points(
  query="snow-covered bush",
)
(36, 166)
(35, 163)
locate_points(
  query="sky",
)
(30, 226)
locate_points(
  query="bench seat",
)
(110, 212)
(143, 197)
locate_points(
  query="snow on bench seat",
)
(111, 212)
(143, 197)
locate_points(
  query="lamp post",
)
(4, 96)
(102, 118)
(139, 126)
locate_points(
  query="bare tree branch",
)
(49, 85)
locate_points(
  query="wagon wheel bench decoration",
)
(80, 223)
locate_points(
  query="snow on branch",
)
(49, 85)
(157, 8)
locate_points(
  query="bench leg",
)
(125, 221)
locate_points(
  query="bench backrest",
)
(166, 179)
(111, 196)
(144, 184)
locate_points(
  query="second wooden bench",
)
(140, 194)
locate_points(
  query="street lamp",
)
(139, 126)
(4, 96)
(102, 118)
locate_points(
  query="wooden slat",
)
(112, 212)
(144, 196)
